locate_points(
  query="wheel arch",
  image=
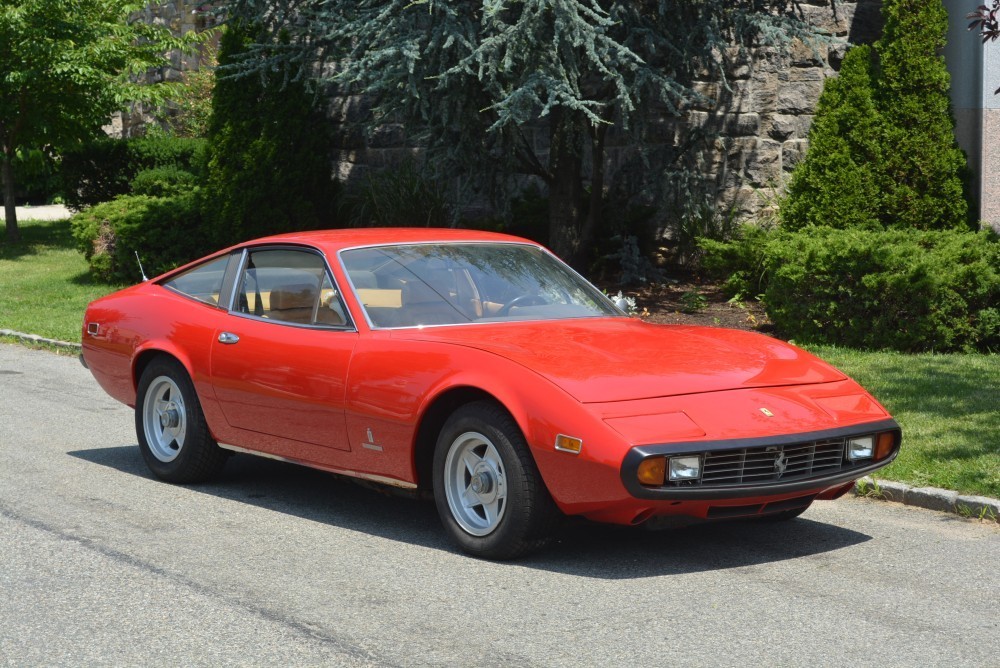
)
(143, 359)
(432, 421)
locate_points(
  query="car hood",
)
(623, 359)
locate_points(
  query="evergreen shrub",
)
(165, 231)
(742, 260)
(838, 183)
(269, 161)
(900, 289)
(101, 170)
(163, 181)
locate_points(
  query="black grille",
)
(749, 466)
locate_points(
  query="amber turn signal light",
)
(652, 471)
(884, 444)
(569, 444)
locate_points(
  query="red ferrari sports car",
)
(479, 367)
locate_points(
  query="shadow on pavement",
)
(581, 548)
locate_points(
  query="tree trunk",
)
(10, 210)
(588, 235)
(566, 211)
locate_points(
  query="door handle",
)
(228, 338)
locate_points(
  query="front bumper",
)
(803, 477)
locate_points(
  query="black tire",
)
(171, 428)
(509, 511)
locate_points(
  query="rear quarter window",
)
(203, 282)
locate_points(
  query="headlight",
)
(687, 467)
(860, 447)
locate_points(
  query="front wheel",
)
(489, 493)
(172, 432)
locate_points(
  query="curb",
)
(931, 498)
(34, 338)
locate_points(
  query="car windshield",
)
(450, 284)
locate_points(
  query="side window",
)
(203, 282)
(289, 286)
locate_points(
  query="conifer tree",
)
(269, 158)
(474, 80)
(882, 146)
(922, 171)
(838, 184)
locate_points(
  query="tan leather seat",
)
(293, 303)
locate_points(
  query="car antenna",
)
(141, 270)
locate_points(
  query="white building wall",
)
(975, 75)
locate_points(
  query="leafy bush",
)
(901, 289)
(165, 231)
(104, 169)
(400, 196)
(163, 181)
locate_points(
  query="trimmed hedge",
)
(901, 289)
(165, 231)
(104, 169)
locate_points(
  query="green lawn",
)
(44, 284)
(948, 405)
(949, 408)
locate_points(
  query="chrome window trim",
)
(245, 251)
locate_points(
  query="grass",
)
(948, 405)
(949, 408)
(44, 282)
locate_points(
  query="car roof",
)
(337, 240)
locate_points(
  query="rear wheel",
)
(171, 428)
(489, 493)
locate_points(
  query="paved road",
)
(277, 565)
(45, 212)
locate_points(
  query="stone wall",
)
(182, 17)
(761, 116)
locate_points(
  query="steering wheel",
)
(520, 300)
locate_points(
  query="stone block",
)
(348, 137)
(764, 96)
(865, 20)
(792, 153)
(740, 146)
(799, 97)
(390, 135)
(806, 74)
(836, 53)
(805, 55)
(834, 19)
(736, 99)
(708, 92)
(781, 127)
(741, 125)
(763, 166)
